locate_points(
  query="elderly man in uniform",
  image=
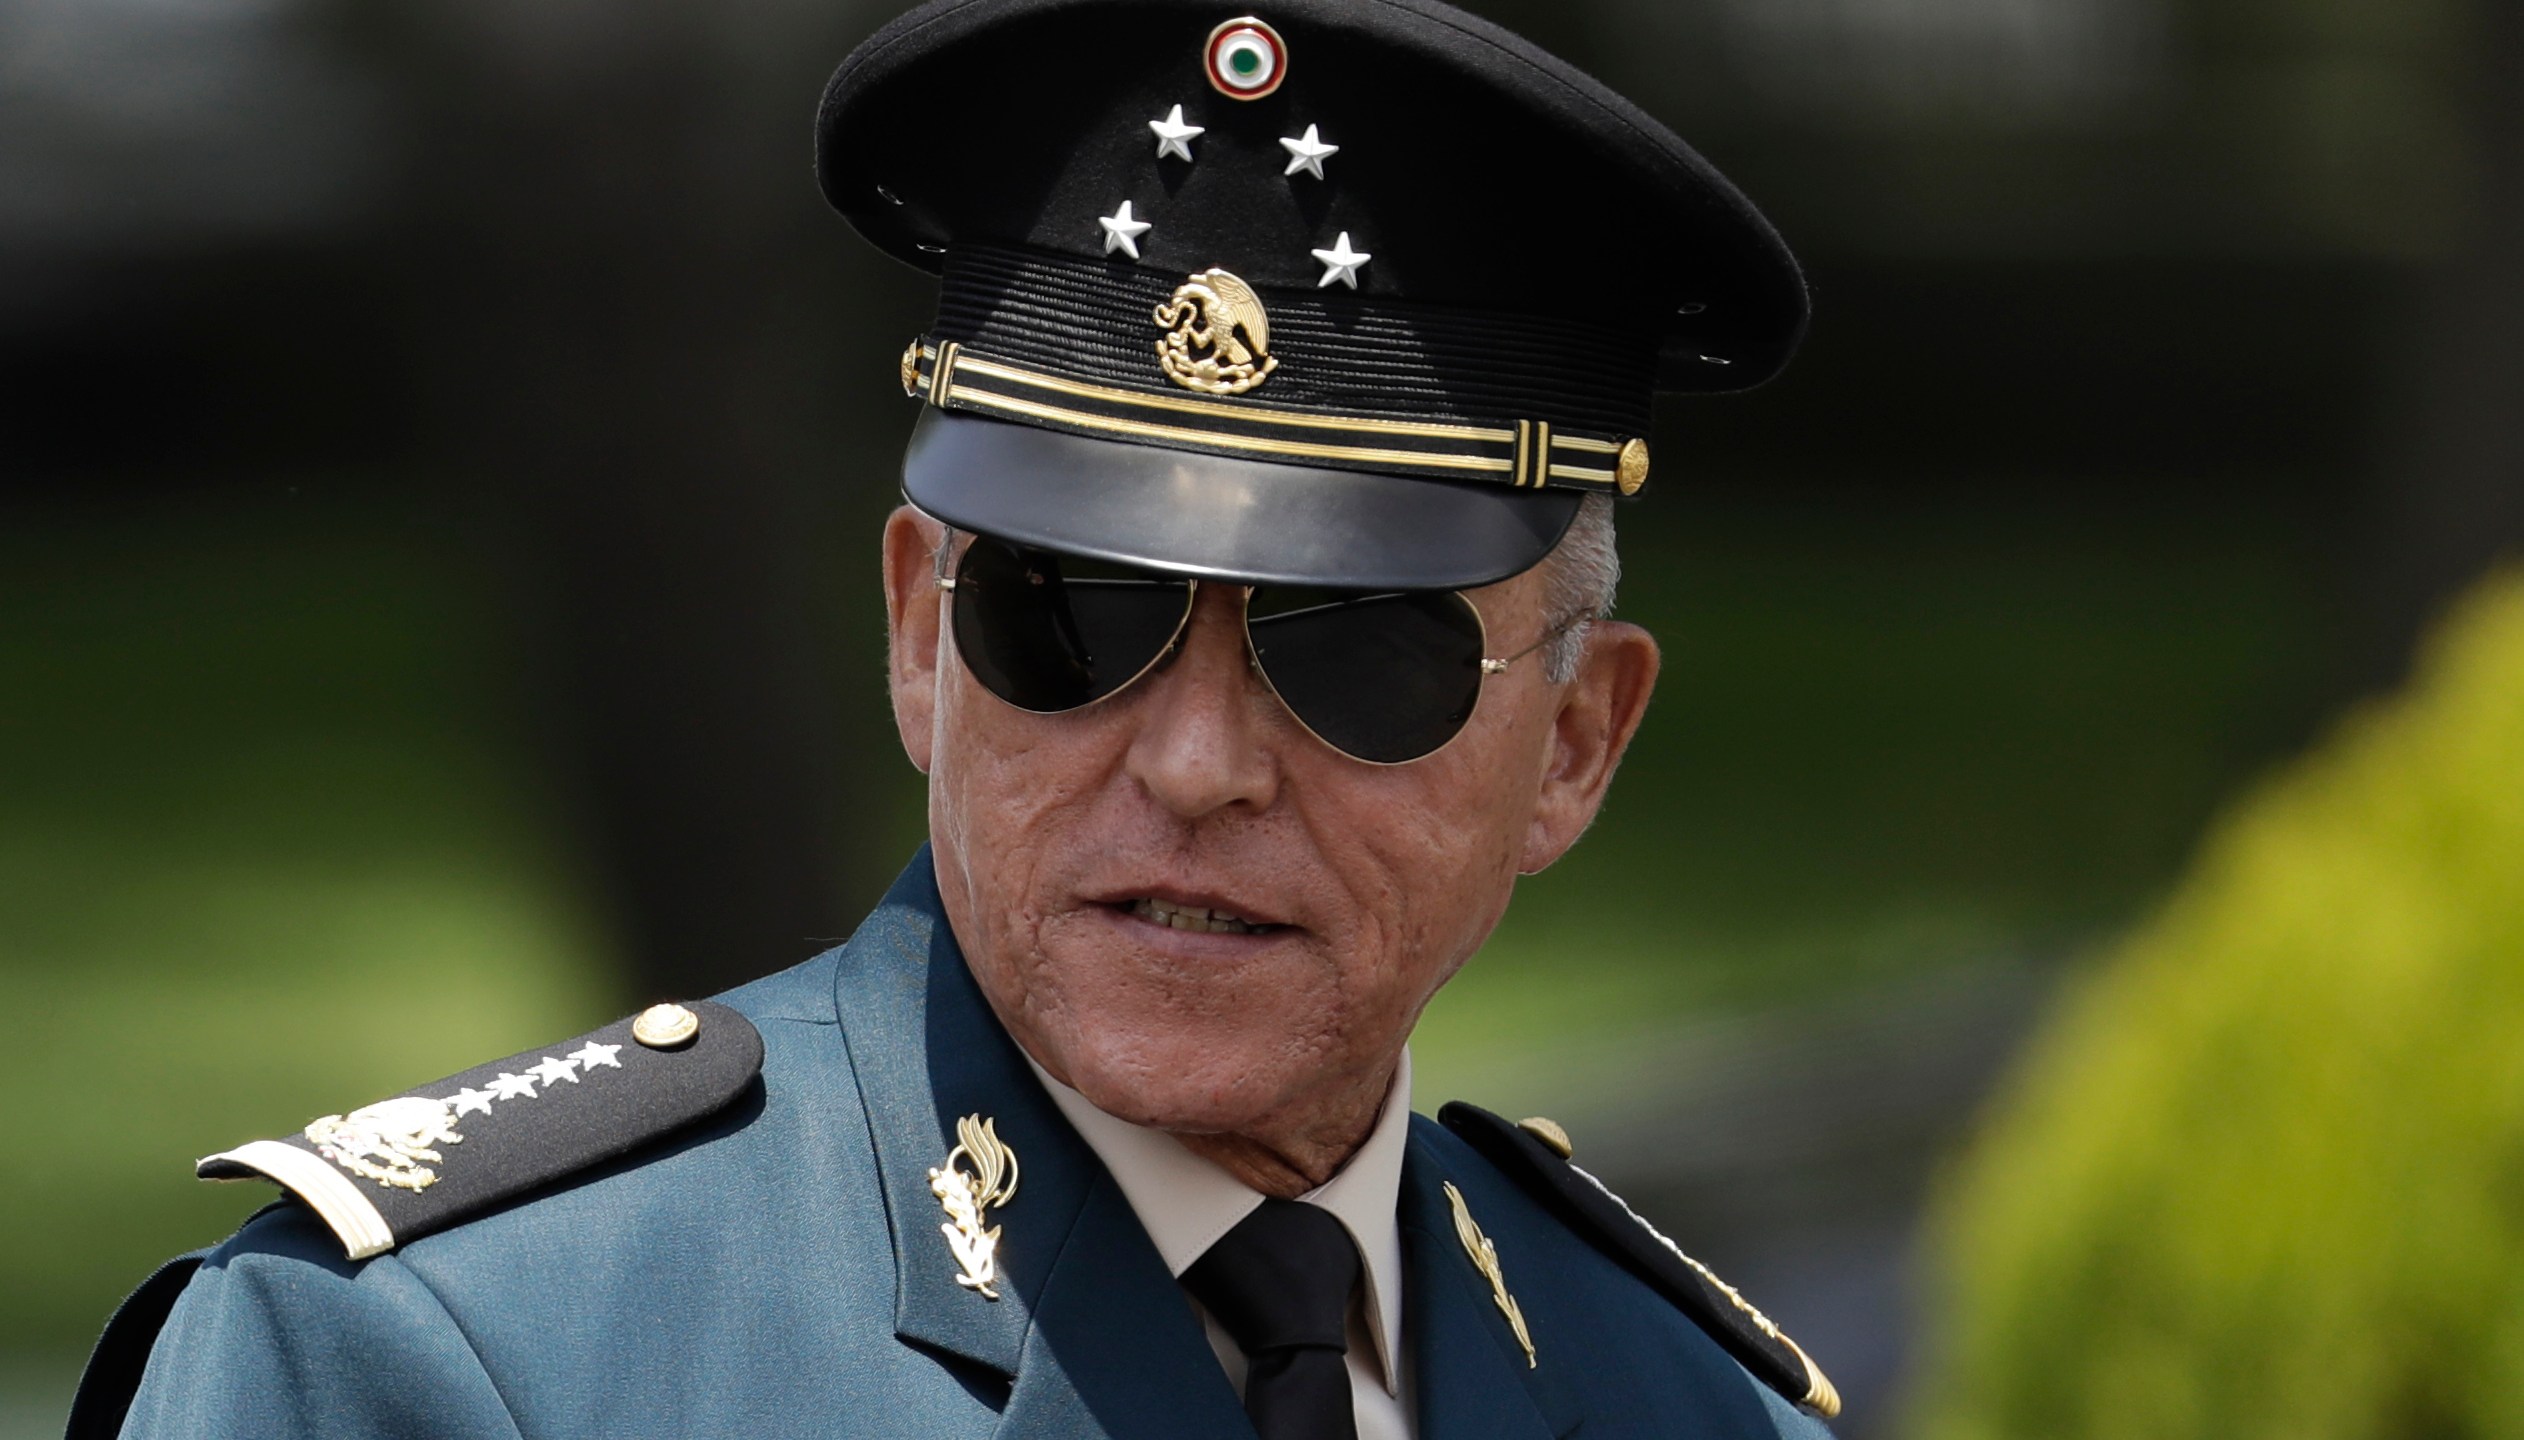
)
(1248, 620)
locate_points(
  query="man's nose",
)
(1203, 741)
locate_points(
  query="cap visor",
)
(1255, 521)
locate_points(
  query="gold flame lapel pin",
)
(970, 1194)
(1485, 1258)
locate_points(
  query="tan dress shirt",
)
(1186, 1203)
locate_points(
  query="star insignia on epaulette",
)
(373, 1175)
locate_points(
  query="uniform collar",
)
(1475, 1382)
(1186, 1203)
(1090, 1332)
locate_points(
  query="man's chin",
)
(1186, 1093)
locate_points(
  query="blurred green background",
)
(2260, 1176)
(441, 447)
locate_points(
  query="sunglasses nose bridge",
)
(1232, 605)
(1210, 604)
(1202, 736)
(1244, 628)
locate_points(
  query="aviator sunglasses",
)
(1384, 676)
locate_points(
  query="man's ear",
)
(1599, 711)
(914, 613)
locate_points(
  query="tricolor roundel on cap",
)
(1247, 59)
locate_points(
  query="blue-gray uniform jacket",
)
(780, 1270)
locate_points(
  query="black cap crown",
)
(1355, 292)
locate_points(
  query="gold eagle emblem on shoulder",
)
(1218, 337)
(388, 1142)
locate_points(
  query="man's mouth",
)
(1196, 918)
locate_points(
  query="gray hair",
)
(1581, 574)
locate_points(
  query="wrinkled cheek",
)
(977, 792)
(1425, 953)
(1446, 900)
(996, 797)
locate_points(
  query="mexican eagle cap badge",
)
(1218, 337)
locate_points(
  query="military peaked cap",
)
(1348, 292)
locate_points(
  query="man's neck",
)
(1261, 1168)
(1290, 1165)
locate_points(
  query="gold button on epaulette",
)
(665, 1027)
(1548, 1131)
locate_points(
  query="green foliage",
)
(262, 853)
(2264, 1175)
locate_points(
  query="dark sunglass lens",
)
(1383, 677)
(1048, 632)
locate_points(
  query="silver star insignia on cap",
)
(1122, 232)
(1307, 152)
(1174, 137)
(1341, 263)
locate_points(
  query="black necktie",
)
(1280, 1284)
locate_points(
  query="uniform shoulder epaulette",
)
(389, 1173)
(1536, 1154)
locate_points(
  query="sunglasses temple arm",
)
(1498, 666)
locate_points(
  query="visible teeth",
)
(1194, 917)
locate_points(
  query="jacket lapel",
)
(911, 1016)
(1474, 1383)
(1115, 1343)
(1090, 1330)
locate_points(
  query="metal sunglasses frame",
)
(1490, 665)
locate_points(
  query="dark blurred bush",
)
(2265, 1174)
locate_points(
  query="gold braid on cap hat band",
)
(1526, 454)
